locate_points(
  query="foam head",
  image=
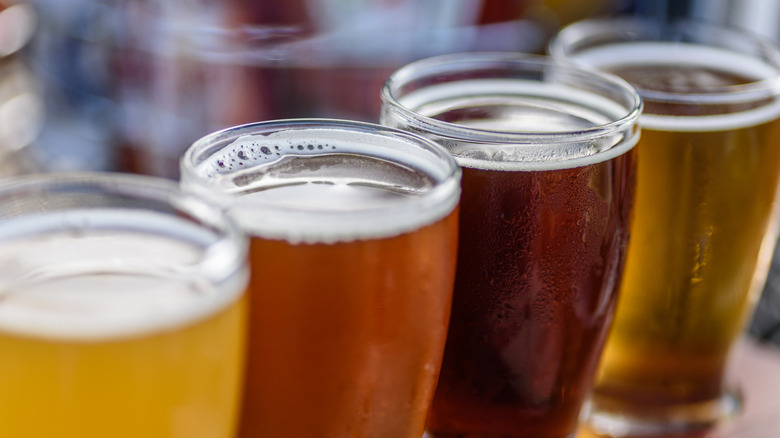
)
(504, 111)
(323, 180)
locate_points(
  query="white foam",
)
(318, 141)
(712, 123)
(677, 53)
(114, 274)
(591, 105)
(693, 55)
(313, 204)
(622, 147)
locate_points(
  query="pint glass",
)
(705, 214)
(354, 238)
(121, 310)
(548, 173)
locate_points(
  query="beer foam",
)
(551, 124)
(109, 275)
(327, 186)
(676, 53)
(712, 123)
(690, 55)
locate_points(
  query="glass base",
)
(611, 417)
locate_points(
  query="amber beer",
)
(354, 237)
(122, 311)
(544, 220)
(533, 299)
(705, 220)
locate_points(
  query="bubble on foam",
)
(677, 53)
(475, 154)
(577, 155)
(251, 151)
(541, 156)
(530, 154)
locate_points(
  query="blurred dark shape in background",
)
(130, 83)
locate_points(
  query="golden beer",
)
(704, 226)
(116, 321)
(686, 295)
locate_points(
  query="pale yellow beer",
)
(117, 320)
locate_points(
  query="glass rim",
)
(509, 60)
(432, 204)
(648, 29)
(221, 258)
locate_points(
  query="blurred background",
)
(127, 85)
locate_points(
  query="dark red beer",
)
(548, 177)
(540, 253)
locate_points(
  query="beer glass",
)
(548, 174)
(121, 310)
(705, 214)
(354, 239)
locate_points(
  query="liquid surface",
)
(679, 78)
(510, 113)
(708, 58)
